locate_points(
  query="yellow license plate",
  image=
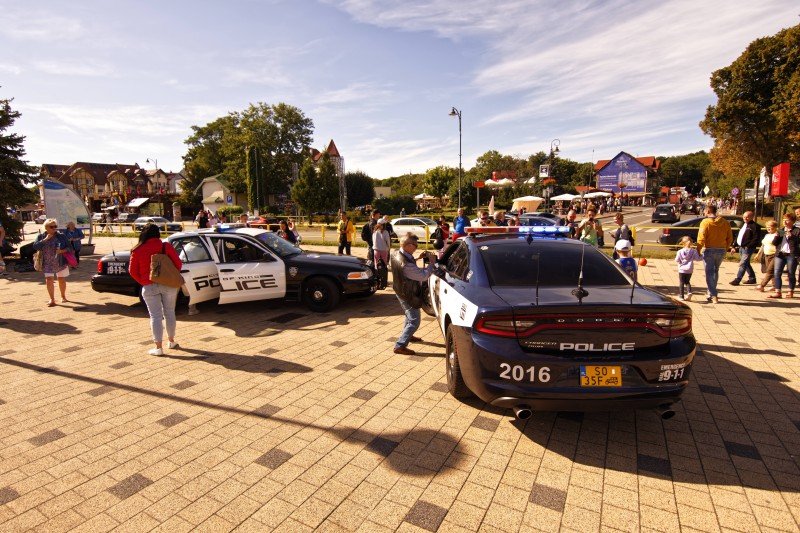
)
(601, 376)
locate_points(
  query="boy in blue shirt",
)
(628, 263)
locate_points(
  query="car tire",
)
(321, 294)
(455, 381)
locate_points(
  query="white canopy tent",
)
(424, 196)
(531, 181)
(597, 194)
(530, 203)
(566, 197)
(491, 183)
(505, 182)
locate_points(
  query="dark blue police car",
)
(537, 321)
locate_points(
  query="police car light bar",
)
(548, 231)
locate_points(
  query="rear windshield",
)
(514, 263)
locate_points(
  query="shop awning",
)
(138, 202)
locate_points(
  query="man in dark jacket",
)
(367, 231)
(407, 280)
(747, 240)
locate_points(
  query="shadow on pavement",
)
(259, 364)
(733, 428)
(40, 327)
(421, 452)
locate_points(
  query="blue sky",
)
(124, 81)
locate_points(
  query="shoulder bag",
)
(163, 271)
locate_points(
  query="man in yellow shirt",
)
(346, 234)
(713, 240)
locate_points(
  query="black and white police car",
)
(536, 321)
(240, 264)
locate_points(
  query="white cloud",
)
(10, 69)
(75, 68)
(26, 24)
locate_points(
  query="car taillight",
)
(527, 326)
(99, 267)
(665, 232)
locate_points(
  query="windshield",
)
(428, 221)
(279, 245)
(159, 220)
(513, 263)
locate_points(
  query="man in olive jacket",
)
(713, 240)
(407, 280)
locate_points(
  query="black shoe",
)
(749, 282)
(709, 300)
(735, 282)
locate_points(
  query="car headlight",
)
(361, 274)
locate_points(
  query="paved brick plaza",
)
(273, 417)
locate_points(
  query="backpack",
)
(366, 233)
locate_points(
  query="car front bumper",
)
(481, 357)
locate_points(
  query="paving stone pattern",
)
(314, 423)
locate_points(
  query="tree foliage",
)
(281, 132)
(756, 121)
(15, 172)
(304, 191)
(328, 184)
(360, 188)
(438, 180)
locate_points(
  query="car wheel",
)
(455, 381)
(321, 294)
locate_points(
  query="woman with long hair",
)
(52, 245)
(159, 299)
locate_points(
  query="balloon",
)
(643, 261)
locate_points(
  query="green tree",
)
(327, 184)
(755, 120)
(360, 188)
(304, 191)
(280, 132)
(438, 180)
(15, 172)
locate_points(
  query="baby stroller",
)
(381, 274)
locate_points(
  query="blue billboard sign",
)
(622, 174)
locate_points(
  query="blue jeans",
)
(790, 262)
(160, 301)
(713, 260)
(745, 266)
(413, 318)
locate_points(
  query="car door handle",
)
(184, 271)
(227, 270)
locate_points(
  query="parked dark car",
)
(665, 213)
(692, 207)
(673, 234)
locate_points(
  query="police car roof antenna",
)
(633, 287)
(538, 269)
(580, 292)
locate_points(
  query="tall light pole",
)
(554, 144)
(154, 161)
(457, 113)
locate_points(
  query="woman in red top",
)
(160, 299)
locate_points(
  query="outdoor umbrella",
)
(530, 203)
(566, 197)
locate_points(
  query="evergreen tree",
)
(15, 172)
(305, 192)
(328, 184)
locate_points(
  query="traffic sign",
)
(706, 190)
(544, 171)
(479, 184)
(229, 199)
(735, 191)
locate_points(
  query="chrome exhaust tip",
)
(522, 412)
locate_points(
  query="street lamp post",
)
(554, 144)
(457, 113)
(160, 199)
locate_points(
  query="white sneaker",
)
(156, 351)
(173, 345)
(688, 296)
(193, 310)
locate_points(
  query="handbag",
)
(69, 257)
(38, 261)
(163, 271)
